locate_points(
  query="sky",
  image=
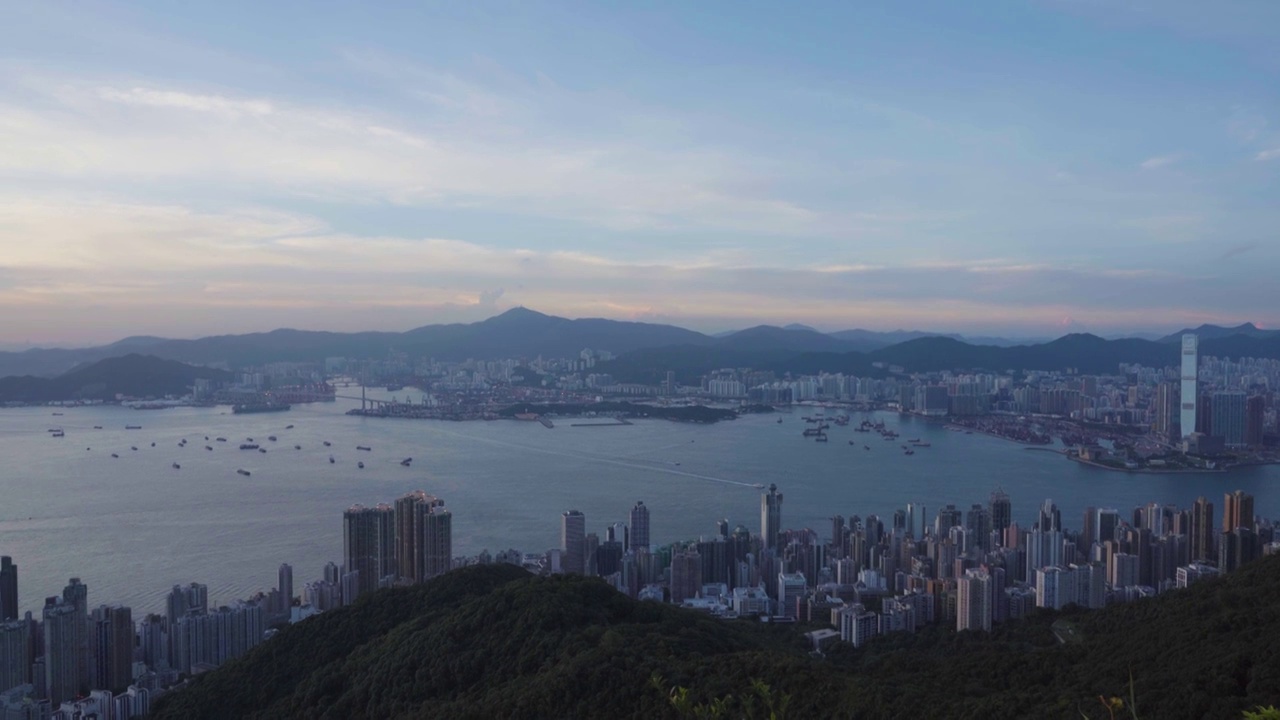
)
(1017, 168)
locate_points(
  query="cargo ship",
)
(247, 409)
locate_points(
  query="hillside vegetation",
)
(493, 641)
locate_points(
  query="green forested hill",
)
(493, 641)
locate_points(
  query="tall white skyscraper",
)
(1190, 393)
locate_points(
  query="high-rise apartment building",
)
(113, 642)
(1200, 533)
(1189, 391)
(8, 589)
(771, 518)
(15, 653)
(424, 537)
(1237, 511)
(973, 608)
(1255, 416)
(686, 576)
(1001, 510)
(76, 594)
(639, 528)
(62, 628)
(369, 544)
(573, 530)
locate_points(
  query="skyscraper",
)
(973, 609)
(424, 537)
(8, 589)
(15, 653)
(1108, 521)
(686, 576)
(1189, 393)
(76, 594)
(1255, 415)
(113, 640)
(573, 529)
(1201, 532)
(368, 544)
(286, 587)
(771, 517)
(62, 628)
(1050, 517)
(1001, 510)
(639, 526)
(1237, 511)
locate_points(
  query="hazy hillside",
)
(492, 641)
(133, 375)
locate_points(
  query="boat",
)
(866, 447)
(220, 439)
(248, 439)
(248, 446)
(360, 465)
(57, 414)
(331, 460)
(405, 462)
(208, 447)
(244, 472)
(133, 448)
(288, 427)
(366, 448)
(914, 440)
(153, 444)
(132, 427)
(206, 437)
(59, 433)
(779, 421)
(921, 444)
(327, 443)
(251, 408)
(115, 455)
(97, 427)
(820, 438)
(272, 438)
(852, 442)
(297, 447)
(176, 466)
(810, 432)
(262, 450)
(909, 452)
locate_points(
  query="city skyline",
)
(924, 167)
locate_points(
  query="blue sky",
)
(1023, 168)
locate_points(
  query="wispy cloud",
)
(1158, 162)
(1265, 155)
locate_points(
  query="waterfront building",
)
(639, 528)
(1229, 418)
(8, 589)
(573, 528)
(368, 544)
(424, 537)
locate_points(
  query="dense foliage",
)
(492, 641)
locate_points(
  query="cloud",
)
(166, 266)
(1235, 250)
(1158, 162)
(1265, 155)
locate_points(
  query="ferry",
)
(244, 472)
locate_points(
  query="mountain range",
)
(493, 641)
(646, 348)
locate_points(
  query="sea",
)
(133, 526)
